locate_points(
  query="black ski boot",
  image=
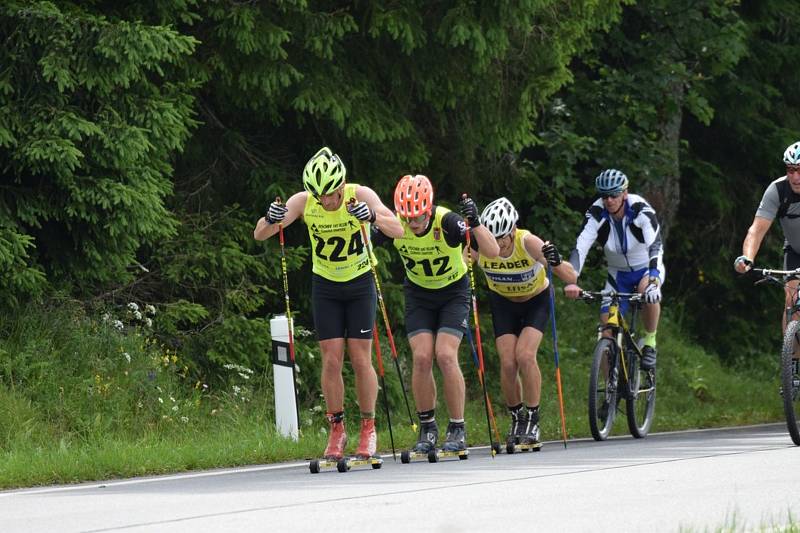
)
(456, 439)
(530, 430)
(517, 427)
(428, 437)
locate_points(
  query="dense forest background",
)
(140, 142)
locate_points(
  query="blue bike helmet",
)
(792, 154)
(611, 181)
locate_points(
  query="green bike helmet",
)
(324, 173)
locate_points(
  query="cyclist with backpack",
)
(781, 201)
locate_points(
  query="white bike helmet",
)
(611, 181)
(792, 154)
(499, 217)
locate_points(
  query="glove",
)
(743, 260)
(469, 211)
(551, 254)
(362, 212)
(276, 213)
(652, 294)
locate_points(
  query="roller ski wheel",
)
(529, 446)
(316, 466)
(346, 463)
(511, 447)
(496, 448)
(434, 456)
(409, 456)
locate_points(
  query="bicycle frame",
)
(621, 330)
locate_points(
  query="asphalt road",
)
(705, 480)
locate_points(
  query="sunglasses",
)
(418, 219)
(792, 168)
(611, 195)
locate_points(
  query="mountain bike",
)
(616, 371)
(790, 376)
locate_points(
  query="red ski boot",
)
(337, 438)
(368, 440)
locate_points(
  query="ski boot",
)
(337, 440)
(428, 437)
(367, 446)
(517, 428)
(455, 444)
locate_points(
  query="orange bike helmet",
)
(413, 196)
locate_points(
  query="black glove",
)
(276, 213)
(470, 211)
(551, 254)
(362, 212)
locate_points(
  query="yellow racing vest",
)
(429, 261)
(516, 275)
(337, 248)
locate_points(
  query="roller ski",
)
(334, 452)
(455, 445)
(367, 446)
(428, 437)
(524, 433)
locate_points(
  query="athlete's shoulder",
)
(596, 210)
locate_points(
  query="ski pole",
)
(286, 286)
(555, 352)
(379, 357)
(489, 400)
(389, 335)
(489, 412)
(288, 314)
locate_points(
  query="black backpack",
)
(786, 197)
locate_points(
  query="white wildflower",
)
(127, 356)
(133, 306)
(118, 324)
(148, 322)
(150, 310)
(185, 419)
(160, 399)
(137, 315)
(105, 317)
(174, 407)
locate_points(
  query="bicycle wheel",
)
(640, 404)
(602, 389)
(790, 381)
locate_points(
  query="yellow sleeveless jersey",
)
(338, 250)
(516, 275)
(429, 261)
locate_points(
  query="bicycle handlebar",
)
(591, 295)
(774, 272)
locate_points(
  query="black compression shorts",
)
(512, 317)
(343, 309)
(437, 310)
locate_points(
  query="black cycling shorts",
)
(791, 259)
(512, 317)
(343, 309)
(437, 310)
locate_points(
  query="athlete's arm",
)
(533, 245)
(752, 242)
(384, 218)
(294, 206)
(591, 222)
(486, 242)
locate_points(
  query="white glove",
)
(362, 212)
(276, 213)
(652, 294)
